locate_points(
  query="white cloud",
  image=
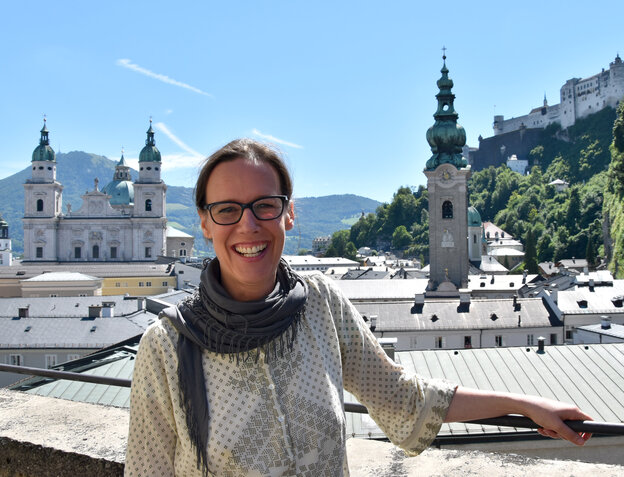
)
(165, 130)
(268, 137)
(126, 63)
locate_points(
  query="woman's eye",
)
(226, 209)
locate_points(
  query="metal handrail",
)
(610, 428)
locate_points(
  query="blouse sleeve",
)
(152, 434)
(408, 409)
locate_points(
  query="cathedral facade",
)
(124, 221)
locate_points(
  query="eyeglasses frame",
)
(248, 205)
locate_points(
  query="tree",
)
(616, 167)
(341, 246)
(401, 238)
(530, 252)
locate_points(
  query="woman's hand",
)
(550, 415)
(470, 404)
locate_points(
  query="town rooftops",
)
(172, 232)
(593, 299)
(66, 307)
(62, 277)
(101, 270)
(452, 315)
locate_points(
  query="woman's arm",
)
(469, 404)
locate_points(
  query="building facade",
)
(125, 221)
(6, 254)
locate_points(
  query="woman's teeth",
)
(250, 252)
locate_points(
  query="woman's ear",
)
(204, 219)
(290, 216)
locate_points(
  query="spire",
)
(44, 140)
(44, 152)
(446, 137)
(150, 135)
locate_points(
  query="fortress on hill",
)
(579, 98)
(514, 138)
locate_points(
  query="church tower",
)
(150, 237)
(447, 178)
(6, 255)
(42, 203)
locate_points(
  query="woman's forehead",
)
(242, 180)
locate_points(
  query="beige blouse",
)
(285, 417)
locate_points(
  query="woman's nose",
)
(248, 219)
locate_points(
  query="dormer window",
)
(582, 303)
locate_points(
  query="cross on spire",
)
(444, 52)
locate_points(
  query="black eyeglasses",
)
(269, 207)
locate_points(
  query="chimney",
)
(389, 346)
(524, 276)
(95, 311)
(373, 322)
(464, 296)
(540, 344)
(108, 309)
(585, 271)
(419, 299)
(22, 312)
(591, 284)
(605, 322)
(554, 293)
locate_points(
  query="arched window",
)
(96, 251)
(39, 205)
(148, 205)
(447, 209)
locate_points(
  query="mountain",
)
(76, 171)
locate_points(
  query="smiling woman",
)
(246, 377)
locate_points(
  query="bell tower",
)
(447, 179)
(43, 197)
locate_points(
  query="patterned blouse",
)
(285, 417)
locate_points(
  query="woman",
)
(246, 377)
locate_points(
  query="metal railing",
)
(595, 427)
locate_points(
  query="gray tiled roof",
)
(29, 333)
(67, 307)
(448, 315)
(599, 299)
(100, 270)
(382, 289)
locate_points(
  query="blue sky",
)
(346, 88)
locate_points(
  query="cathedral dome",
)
(120, 188)
(121, 192)
(474, 218)
(150, 152)
(43, 152)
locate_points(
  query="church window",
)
(148, 205)
(447, 209)
(474, 238)
(77, 252)
(39, 205)
(182, 252)
(39, 252)
(148, 252)
(96, 251)
(113, 252)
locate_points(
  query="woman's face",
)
(248, 251)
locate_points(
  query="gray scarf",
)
(211, 319)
